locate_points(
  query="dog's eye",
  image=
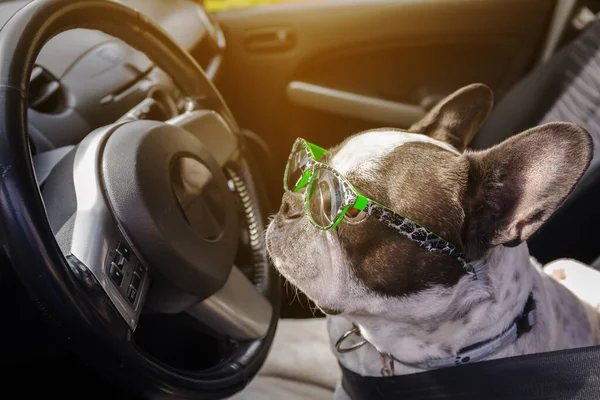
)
(354, 215)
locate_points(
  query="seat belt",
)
(560, 375)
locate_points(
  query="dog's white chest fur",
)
(563, 319)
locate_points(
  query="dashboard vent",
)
(45, 93)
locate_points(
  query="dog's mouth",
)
(292, 260)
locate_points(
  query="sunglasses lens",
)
(324, 198)
(296, 167)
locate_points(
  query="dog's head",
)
(474, 200)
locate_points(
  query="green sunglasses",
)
(329, 197)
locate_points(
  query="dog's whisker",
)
(296, 296)
(313, 309)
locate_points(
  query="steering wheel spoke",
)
(237, 310)
(213, 131)
(93, 240)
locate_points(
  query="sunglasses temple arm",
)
(451, 250)
(361, 202)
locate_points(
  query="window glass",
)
(219, 5)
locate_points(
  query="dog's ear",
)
(458, 117)
(515, 186)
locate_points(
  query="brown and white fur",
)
(417, 305)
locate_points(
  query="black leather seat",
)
(566, 88)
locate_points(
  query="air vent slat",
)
(36, 73)
(45, 94)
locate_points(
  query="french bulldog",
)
(419, 306)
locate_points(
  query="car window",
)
(219, 5)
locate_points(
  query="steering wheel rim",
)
(59, 287)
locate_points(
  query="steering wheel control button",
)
(123, 250)
(116, 274)
(126, 272)
(120, 260)
(131, 295)
(140, 270)
(136, 280)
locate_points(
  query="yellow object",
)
(219, 5)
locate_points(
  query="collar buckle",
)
(526, 320)
(387, 362)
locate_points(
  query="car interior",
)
(143, 144)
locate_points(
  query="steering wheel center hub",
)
(172, 202)
(199, 197)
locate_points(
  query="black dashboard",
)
(85, 79)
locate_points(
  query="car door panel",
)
(326, 69)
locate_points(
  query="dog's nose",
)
(292, 206)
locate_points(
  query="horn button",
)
(171, 200)
(198, 195)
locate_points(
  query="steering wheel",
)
(136, 205)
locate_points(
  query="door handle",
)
(269, 39)
(358, 106)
